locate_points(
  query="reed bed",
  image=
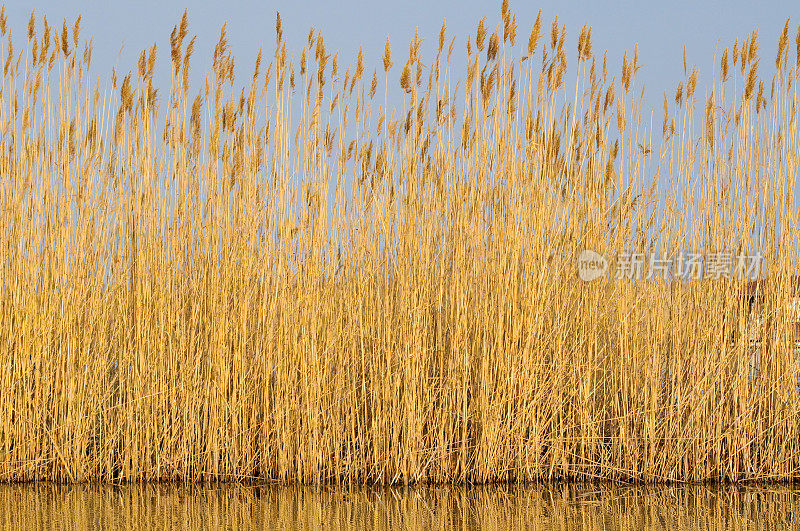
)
(284, 277)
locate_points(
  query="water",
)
(47, 506)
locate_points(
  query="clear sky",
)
(120, 30)
(660, 28)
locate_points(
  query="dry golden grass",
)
(287, 279)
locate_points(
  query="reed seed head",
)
(783, 41)
(32, 25)
(387, 56)
(76, 31)
(481, 34)
(533, 40)
(723, 66)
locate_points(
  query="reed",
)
(282, 277)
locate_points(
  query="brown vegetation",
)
(292, 281)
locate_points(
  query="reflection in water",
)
(154, 506)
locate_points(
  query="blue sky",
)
(660, 28)
(120, 30)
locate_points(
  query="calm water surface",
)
(47, 506)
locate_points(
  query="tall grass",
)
(287, 278)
